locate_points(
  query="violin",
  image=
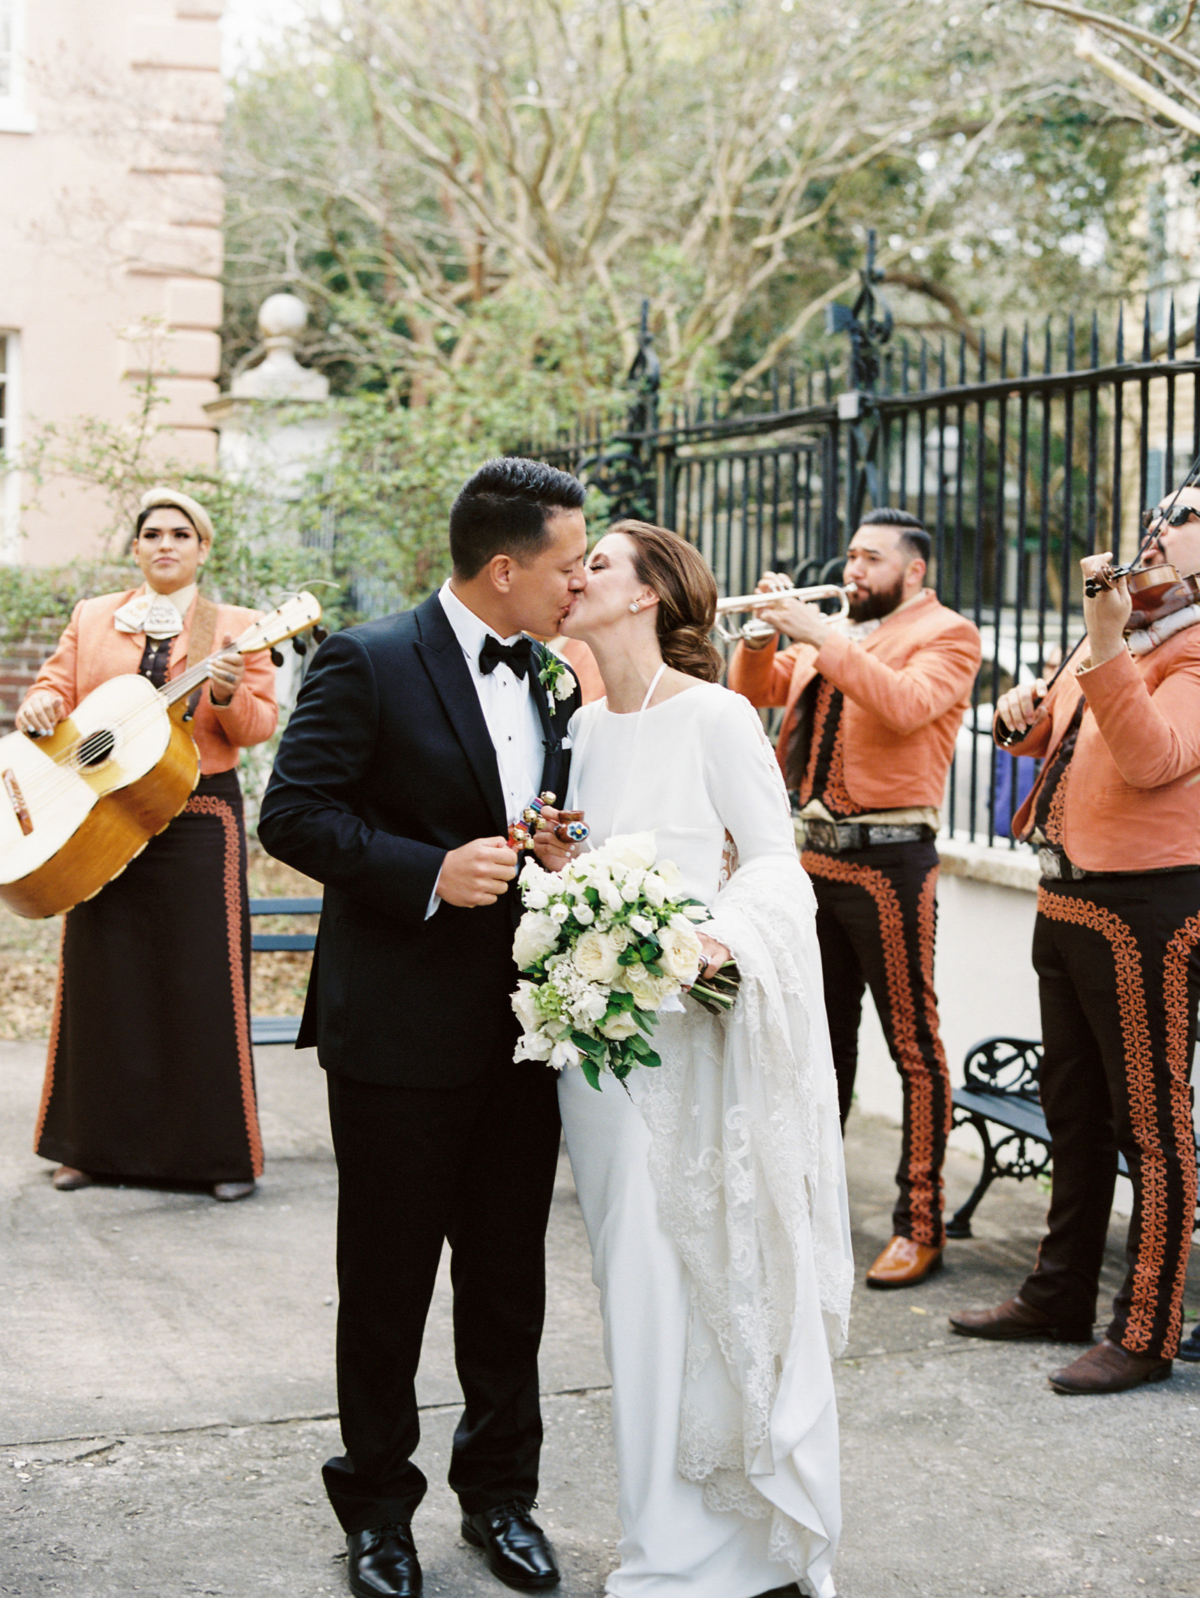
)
(1155, 591)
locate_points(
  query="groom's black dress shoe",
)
(518, 1551)
(383, 1563)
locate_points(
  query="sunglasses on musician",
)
(1173, 518)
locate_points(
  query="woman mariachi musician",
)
(150, 1075)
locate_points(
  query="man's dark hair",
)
(913, 536)
(502, 509)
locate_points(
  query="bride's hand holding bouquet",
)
(607, 946)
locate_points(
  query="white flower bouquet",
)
(606, 946)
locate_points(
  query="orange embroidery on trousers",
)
(1137, 1048)
(206, 805)
(1179, 1064)
(925, 1179)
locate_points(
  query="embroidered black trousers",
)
(1119, 978)
(876, 923)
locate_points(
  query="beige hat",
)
(194, 511)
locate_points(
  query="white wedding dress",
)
(713, 1192)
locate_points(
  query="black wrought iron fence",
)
(1018, 459)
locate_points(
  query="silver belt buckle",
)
(822, 834)
(1057, 866)
(1049, 864)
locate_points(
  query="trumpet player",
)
(873, 703)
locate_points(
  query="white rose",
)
(633, 849)
(649, 991)
(669, 872)
(619, 1026)
(524, 1003)
(596, 956)
(564, 686)
(641, 925)
(564, 1054)
(535, 898)
(536, 936)
(533, 1046)
(655, 889)
(583, 913)
(680, 952)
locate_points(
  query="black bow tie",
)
(515, 656)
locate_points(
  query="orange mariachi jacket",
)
(91, 650)
(906, 687)
(1132, 800)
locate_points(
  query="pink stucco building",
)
(110, 238)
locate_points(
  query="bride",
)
(713, 1191)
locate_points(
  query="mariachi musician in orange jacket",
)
(867, 740)
(1116, 813)
(149, 1075)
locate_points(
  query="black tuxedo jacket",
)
(385, 765)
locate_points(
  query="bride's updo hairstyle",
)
(687, 597)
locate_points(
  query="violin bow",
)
(1189, 481)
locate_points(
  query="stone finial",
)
(281, 319)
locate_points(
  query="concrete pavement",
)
(167, 1398)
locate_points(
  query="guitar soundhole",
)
(96, 748)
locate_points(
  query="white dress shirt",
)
(509, 710)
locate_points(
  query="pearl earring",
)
(634, 606)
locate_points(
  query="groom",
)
(415, 741)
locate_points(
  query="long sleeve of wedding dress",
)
(715, 1196)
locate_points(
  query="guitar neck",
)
(292, 617)
(179, 687)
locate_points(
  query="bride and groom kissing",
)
(712, 1191)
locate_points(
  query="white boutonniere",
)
(555, 676)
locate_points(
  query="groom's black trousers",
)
(417, 1166)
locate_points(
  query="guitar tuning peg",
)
(276, 658)
(319, 635)
(300, 647)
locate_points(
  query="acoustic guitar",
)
(78, 804)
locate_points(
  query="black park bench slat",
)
(280, 1028)
(1000, 1089)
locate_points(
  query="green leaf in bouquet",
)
(594, 1048)
(651, 1059)
(591, 1072)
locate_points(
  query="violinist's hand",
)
(1107, 615)
(1020, 708)
(41, 712)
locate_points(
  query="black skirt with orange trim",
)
(150, 1074)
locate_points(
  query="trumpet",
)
(754, 628)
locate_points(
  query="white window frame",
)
(15, 117)
(10, 443)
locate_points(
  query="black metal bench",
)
(1000, 1089)
(280, 1028)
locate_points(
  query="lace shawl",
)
(746, 1159)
